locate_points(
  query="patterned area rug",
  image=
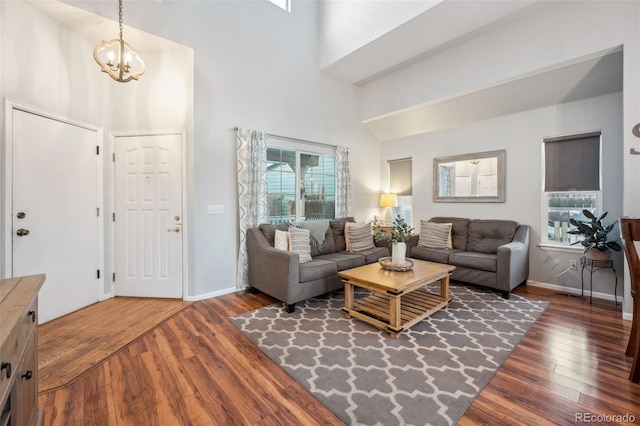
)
(430, 375)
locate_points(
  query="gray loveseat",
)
(279, 274)
(490, 253)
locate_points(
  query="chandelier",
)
(118, 59)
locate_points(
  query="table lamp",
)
(388, 201)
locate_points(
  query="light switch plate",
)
(217, 209)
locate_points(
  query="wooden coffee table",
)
(399, 299)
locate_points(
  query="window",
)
(400, 183)
(572, 183)
(301, 185)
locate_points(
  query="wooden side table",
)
(594, 266)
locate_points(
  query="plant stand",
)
(592, 266)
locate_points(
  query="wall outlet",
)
(573, 265)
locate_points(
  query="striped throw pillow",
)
(358, 236)
(300, 243)
(435, 235)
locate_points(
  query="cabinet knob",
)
(27, 375)
(7, 366)
(32, 314)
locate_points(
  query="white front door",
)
(56, 196)
(148, 216)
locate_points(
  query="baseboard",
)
(212, 294)
(574, 291)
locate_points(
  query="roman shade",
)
(572, 163)
(400, 176)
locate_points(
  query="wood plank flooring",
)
(198, 369)
(74, 343)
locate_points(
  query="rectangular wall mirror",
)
(470, 178)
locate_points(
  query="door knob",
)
(176, 229)
(22, 232)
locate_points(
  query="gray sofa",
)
(490, 253)
(279, 274)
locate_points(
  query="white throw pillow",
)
(300, 243)
(281, 240)
(435, 235)
(358, 236)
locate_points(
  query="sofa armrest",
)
(272, 271)
(513, 260)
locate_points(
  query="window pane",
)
(564, 206)
(281, 185)
(318, 186)
(315, 198)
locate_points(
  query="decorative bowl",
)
(387, 263)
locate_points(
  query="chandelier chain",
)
(120, 20)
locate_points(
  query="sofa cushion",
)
(458, 230)
(435, 235)
(358, 236)
(337, 227)
(344, 260)
(432, 255)
(299, 242)
(373, 254)
(317, 269)
(485, 236)
(474, 260)
(269, 231)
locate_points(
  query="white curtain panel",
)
(252, 191)
(343, 182)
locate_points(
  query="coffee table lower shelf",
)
(377, 309)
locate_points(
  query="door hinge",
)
(113, 217)
(113, 277)
(113, 157)
(98, 211)
(97, 149)
(98, 271)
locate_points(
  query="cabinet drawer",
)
(14, 346)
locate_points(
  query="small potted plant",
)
(595, 235)
(401, 231)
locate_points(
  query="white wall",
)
(552, 37)
(255, 66)
(346, 26)
(521, 135)
(46, 67)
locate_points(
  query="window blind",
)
(400, 176)
(572, 163)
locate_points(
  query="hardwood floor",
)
(75, 343)
(198, 369)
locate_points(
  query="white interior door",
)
(56, 193)
(148, 216)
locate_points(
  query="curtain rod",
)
(294, 139)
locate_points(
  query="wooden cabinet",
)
(19, 351)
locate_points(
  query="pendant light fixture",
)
(118, 59)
